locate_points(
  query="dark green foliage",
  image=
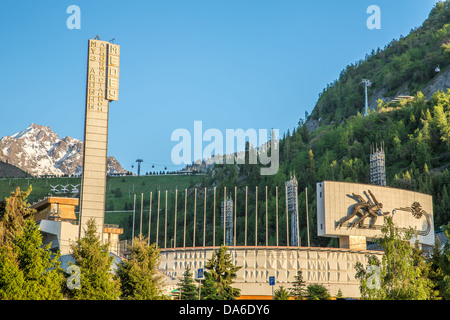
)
(409, 61)
(13, 212)
(317, 292)
(95, 263)
(415, 135)
(403, 272)
(443, 267)
(219, 277)
(28, 270)
(188, 290)
(281, 294)
(299, 287)
(209, 289)
(139, 279)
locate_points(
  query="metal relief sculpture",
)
(372, 208)
(364, 209)
(418, 212)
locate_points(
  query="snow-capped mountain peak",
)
(39, 151)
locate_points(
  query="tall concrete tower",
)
(102, 86)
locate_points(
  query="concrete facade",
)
(59, 233)
(57, 223)
(102, 85)
(335, 202)
(331, 267)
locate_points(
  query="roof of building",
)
(49, 200)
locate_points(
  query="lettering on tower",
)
(102, 86)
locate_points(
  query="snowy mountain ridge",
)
(39, 151)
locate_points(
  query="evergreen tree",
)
(138, 275)
(188, 290)
(299, 289)
(209, 290)
(281, 294)
(444, 283)
(41, 270)
(28, 271)
(435, 274)
(95, 263)
(13, 212)
(303, 131)
(442, 209)
(12, 281)
(219, 278)
(317, 292)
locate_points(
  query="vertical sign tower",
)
(102, 86)
(291, 196)
(377, 165)
(227, 214)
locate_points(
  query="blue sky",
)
(231, 64)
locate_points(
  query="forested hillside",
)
(416, 136)
(405, 66)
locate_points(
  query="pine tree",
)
(317, 292)
(138, 275)
(219, 278)
(299, 289)
(43, 277)
(444, 263)
(95, 263)
(12, 282)
(188, 290)
(435, 274)
(442, 212)
(209, 290)
(13, 212)
(281, 294)
(28, 270)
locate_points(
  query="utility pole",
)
(246, 198)
(204, 220)
(175, 219)
(276, 209)
(195, 215)
(142, 208)
(367, 83)
(139, 161)
(165, 225)
(134, 215)
(150, 217)
(256, 217)
(307, 218)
